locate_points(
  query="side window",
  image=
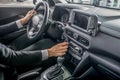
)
(26, 2)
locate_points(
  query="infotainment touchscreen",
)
(80, 20)
(85, 21)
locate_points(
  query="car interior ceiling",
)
(93, 34)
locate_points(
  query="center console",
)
(81, 28)
(79, 42)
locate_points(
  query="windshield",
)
(102, 3)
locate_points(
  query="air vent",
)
(83, 41)
(76, 37)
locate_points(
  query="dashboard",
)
(78, 29)
(88, 35)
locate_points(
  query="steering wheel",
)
(36, 26)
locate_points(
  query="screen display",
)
(81, 20)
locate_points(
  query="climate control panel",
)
(84, 41)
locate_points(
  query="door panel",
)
(9, 14)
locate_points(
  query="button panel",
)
(80, 39)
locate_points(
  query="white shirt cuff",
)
(44, 54)
(19, 24)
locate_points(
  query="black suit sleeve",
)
(8, 28)
(18, 58)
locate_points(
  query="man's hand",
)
(28, 16)
(58, 50)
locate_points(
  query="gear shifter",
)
(53, 71)
(60, 61)
(56, 70)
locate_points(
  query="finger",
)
(28, 12)
(63, 44)
(61, 51)
(63, 47)
(61, 54)
(33, 11)
(60, 47)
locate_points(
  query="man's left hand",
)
(28, 16)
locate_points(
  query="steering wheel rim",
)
(36, 26)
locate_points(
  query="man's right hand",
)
(58, 50)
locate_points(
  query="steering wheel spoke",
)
(32, 32)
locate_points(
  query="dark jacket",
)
(16, 58)
(8, 28)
